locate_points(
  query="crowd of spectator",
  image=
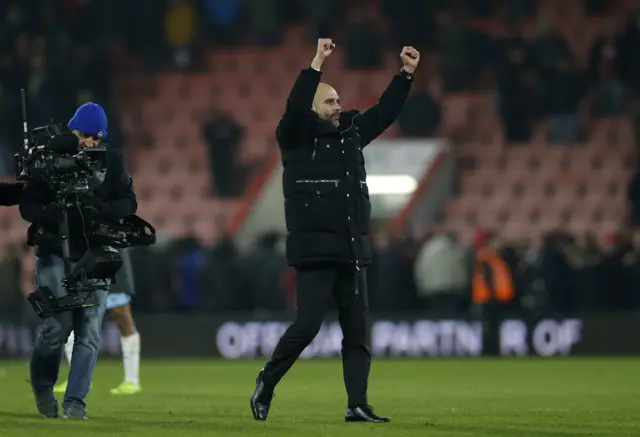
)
(555, 272)
(60, 52)
(46, 48)
(43, 49)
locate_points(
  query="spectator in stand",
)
(180, 31)
(547, 49)
(264, 21)
(422, 113)
(319, 15)
(629, 49)
(223, 135)
(457, 53)
(605, 72)
(222, 19)
(363, 41)
(441, 274)
(514, 81)
(565, 88)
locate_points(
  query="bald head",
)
(326, 103)
(324, 92)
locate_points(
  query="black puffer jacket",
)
(327, 205)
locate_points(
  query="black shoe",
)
(74, 412)
(261, 399)
(363, 413)
(47, 404)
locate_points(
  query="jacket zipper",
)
(352, 122)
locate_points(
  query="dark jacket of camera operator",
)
(10, 193)
(111, 201)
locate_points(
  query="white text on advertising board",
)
(444, 338)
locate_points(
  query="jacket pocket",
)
(365, 208)
(364, 189)
(317, 205)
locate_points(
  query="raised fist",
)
(410, 58)
(325, 47)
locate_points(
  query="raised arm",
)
(298, 110)
(375, 120)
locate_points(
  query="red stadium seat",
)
(520, 185)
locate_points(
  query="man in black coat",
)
(327, 211)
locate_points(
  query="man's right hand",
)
(325, 48)
(91, 206)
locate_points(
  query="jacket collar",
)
(324, 127)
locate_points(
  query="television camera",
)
(51, 156)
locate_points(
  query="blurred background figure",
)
(180, 31)
(223, 135)
(441, 274)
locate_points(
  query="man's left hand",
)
(90, 203)
(410, 59)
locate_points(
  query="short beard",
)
(328, 118)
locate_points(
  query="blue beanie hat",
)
(90, 119)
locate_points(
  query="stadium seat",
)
(520, 183)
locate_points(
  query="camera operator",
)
(112, 200)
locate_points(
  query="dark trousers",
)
(315, 287)
(87, 326)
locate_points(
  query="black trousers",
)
(315, 288)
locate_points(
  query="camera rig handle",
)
(63, 230)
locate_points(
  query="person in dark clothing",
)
(628, 46)
(605, 72)
(112, 200)
(422, 113)
(223, 135)
(10, 193)
(566, 89)
(513, 87)
(363, 41)
(327, 211)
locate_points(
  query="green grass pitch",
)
(475, 397)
